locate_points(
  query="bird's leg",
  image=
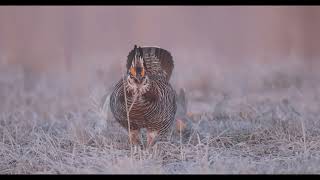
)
(134, 137)
(151, 135)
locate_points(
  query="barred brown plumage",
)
(148, 92)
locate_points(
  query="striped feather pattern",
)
(155, 108)
(157, 61)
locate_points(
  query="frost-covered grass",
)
(56, 129)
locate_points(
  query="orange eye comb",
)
(133, 71)
(142, 73)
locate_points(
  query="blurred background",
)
(219, 48)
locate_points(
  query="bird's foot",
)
(151, 136)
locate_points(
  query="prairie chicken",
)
(151, 100)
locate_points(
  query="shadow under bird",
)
(144, 98)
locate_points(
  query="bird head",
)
(137, 77)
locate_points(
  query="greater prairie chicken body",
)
(146, 94)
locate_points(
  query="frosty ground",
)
(56, 129)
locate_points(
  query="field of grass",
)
(57, 129)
